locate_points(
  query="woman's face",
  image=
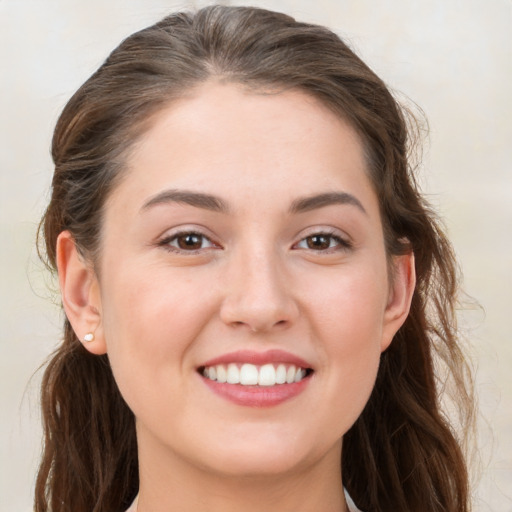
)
(244, 242)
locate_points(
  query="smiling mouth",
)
(247, 374)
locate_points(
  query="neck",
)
(169, 483)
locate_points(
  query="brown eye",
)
(187, 242)
(323, 242)
(319, 242)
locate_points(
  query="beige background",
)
(453, 57)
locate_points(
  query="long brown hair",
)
(402, 454)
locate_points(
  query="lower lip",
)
(257, 396)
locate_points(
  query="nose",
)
(258, 295)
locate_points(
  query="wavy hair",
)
(402, 454)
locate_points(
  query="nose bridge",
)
(257, 293)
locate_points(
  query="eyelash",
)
(341, 244)
(167, 241)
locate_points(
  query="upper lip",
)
(275, 356)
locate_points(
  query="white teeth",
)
(248, 375)
(251, 375)
(233, 376)
(221, 374)
(267, 375)
(281, 374)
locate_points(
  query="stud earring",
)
(89, 337)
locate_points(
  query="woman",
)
(254, 289)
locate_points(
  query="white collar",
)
(351, 505)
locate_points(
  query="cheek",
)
(349, 328)
(150, 325)
(351, 306)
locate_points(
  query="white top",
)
(350, 503)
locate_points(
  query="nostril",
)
(262, 326)
(258, 302)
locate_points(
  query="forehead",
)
(224, 138)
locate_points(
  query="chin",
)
(261, 465)
(254, 456)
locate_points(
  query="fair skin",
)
(286, 253)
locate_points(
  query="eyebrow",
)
(197, 199)
(216, 204)
(306, 204)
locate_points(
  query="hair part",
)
(401, 454)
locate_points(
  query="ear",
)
(80, 292)
(401, 290)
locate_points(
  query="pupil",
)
(318, 242)
(190, 241)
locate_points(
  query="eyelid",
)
(172, 234)
(344, 241)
